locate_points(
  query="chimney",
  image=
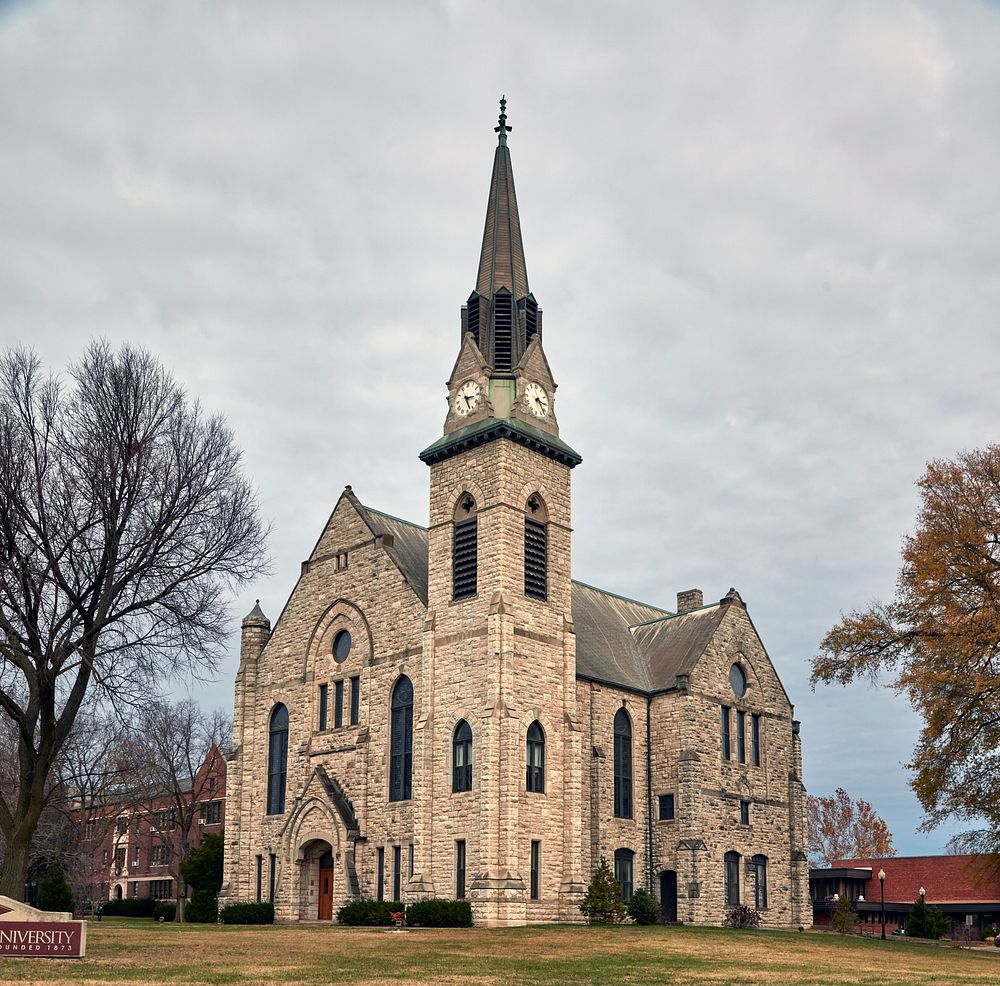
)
(688, 600)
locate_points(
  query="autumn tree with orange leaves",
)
(939, 639)
(842, 828)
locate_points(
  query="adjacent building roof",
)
(619, 641)
(945, 879)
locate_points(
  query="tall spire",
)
(501, 260)
(502, 312)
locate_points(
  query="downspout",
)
(650, 873)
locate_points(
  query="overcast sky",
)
(765, 237)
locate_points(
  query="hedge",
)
(165, 910)
(247, 913)
(439, 914)
(130, 907)
(369, 912)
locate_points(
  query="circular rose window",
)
(341, 646)
(738, 680)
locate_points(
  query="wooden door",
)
(325, 910)
(668, 896)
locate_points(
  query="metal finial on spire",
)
(503, 129)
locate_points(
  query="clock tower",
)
(498, 646)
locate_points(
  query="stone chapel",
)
(441, 711)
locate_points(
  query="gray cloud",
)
(764, 237)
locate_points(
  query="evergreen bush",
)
(261, 912)
(54, 893)
(843, 918)
(370, 913)
(439, 914)
(202, 869)
(926, 921)
(165, 910)
(643, 907)
(602, 903)
(130, 907)
(202, 908)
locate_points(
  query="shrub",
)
(247, 913)
(202, 908)
(742, 917)
(53, 891)
(643, 907)
(368, 912)
(202, 869)
(165, 910)
(843, 917)
(439, 914)
(130, 907)
(602, 903)
(926, 922)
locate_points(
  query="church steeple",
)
(501, 386)
(501, 313)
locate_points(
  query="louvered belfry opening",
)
(472, 321)
(503, 330)
(465, 549)
(536, 558)
(530, 319)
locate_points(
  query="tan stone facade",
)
(372, 801)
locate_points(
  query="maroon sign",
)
(59, 939)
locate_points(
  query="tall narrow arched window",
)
(732, 879)
(624, 864)
(760, 882)
(401, 741)
(461, 757)
(277, 760)
(465, 549)
(535, 780)
(536, 549)
(623, 765)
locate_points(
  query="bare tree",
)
(125, 519)
(175, 754)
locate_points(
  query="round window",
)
(341, 646)
(738, 680)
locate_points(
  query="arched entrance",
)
(118, 892)
(324, 910)
(668, 896)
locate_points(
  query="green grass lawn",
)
(140, 951)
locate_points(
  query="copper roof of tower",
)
(501, 262)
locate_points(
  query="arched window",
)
(401, 741)
(536, 549)
(277, 760)
(623, 765)
(624, 862)
(760, 882)
(461, 757)
(732, 879)
(465, 549)
(535, 780)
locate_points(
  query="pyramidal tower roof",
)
(501, 261)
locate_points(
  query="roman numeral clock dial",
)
(537, 400)
(467, 398)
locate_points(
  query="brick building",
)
(132, 846)
(442, 711)
(961, 887)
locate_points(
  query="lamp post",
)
(922, 892)
(881, 890)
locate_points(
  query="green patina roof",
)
(490, 430)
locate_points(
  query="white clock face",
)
(467, 398)
(537, 400)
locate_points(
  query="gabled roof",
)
(619, 641)
(408, 549)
